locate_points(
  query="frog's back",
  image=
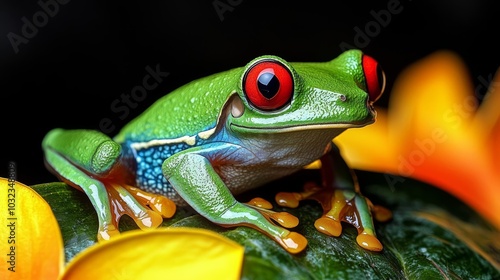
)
(184, 112)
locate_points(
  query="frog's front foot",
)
(146, 209)
(91, 161)
(112, 201)
(341, 206)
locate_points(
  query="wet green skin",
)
(210, 142)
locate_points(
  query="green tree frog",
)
(221, 135)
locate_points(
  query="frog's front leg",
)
(90, 161)
(341, 200)
(195, 179)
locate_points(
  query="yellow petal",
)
(165, 253)
(30, 239)
(313, 165)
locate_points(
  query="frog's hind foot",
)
(146, 209)
(341, 206)
(293, 242)
(257, 214)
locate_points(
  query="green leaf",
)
(432, 235)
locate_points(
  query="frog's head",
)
(278, 96)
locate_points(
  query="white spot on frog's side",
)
(206, 134)
(190, 140)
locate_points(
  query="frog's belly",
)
(276, 156)
(272, 161)
(268, 162)
(241, 179)
(238, 176)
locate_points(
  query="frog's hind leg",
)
(197, 182)
(89, 161)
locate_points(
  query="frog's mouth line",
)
(237, 109)
(295, 128)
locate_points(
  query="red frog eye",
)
(268, 85)
(374, 77)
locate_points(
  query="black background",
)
(87, 54)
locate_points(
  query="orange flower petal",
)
(488, 117)
(370, 147)
(432, 94)
(440, 143)
(170, 253)
(31, 241)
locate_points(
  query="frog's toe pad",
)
(294, 242)
(148, 219)
(158, 203)
(369, 242)
(107, 232)
(285, 219)
(260, 203)
(328, 226)
(162, 205)
(288, 199)
(264, 207)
